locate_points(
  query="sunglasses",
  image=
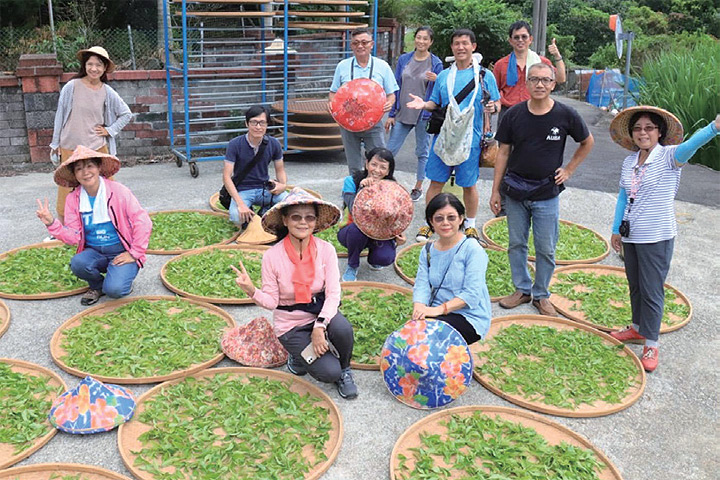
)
(520, 37)
(364, 43)
(647, 129)
(297, 218)
(441, 218)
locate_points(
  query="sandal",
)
(91, 297)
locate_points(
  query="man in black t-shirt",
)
(532, 137)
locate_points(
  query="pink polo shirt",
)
(277, 287)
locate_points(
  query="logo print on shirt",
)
(554, 134)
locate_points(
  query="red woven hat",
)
(383, 210)
(254, 344)
(358, 105)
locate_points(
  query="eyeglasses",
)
(441, 218)
(647, 129)
(544, 80)
(257, 123)
(297, 218)
(357, 43)
(520, 37)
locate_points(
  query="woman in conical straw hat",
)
(301, 285)
(104, 219)
(644, 223)
(89, 113)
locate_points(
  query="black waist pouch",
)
(520, 188)
(314, 307)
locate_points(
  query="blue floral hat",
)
(92, 407)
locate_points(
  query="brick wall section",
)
(13, 134)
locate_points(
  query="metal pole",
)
(168, 81)
(629, 37)
(132, 48)
(202, 44)
(52, 26)
(375, 27)
(535, 23)
(542, 28)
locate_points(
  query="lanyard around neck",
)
(352, 68)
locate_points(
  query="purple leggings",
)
(380, 252)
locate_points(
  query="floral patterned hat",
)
(109, 166)
(426, 364)
(620, 127)
(383, 210)
(254, 344)
(92, 407)
(328, 213)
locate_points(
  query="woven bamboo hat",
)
(100, 52)
(383, 210)
(109, 166)
(328, 213)
(620, 127)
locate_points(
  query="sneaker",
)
(628, 335)
(346, 385)
(296, 366)
(517, 298)
(649, 358)
(49, 238)
(472, 232)
(415, 194)
(544, 307)
(91, 297)
(350, 274)
(423, 234)
(375, 267)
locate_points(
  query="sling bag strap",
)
(434, 290)
(237, 179)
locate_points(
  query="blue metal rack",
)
(222, 56)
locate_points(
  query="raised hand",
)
(416, 103)
(243, 279)
(43, 213)
(553, 49)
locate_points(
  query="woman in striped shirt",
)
(645, 215)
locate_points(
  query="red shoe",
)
(649, 358)
(628, 335)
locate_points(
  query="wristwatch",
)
(321, 322)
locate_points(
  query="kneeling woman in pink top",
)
(301, 285)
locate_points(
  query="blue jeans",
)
(544, 216)
(91, 263)
(255, 196)
(422, 143)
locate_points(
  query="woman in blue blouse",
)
(450, 283)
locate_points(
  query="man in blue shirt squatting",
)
(363, 65)
(532, 137)
(462, 44)
(246, 178)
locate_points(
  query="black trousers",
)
(459, 323)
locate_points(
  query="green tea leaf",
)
(188, 230)
(39, 270)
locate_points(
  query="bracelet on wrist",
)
(558, 59)
(445, 308)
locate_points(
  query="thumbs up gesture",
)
(553, 50)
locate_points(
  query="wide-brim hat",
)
(383, 210)
(92, 407)
(100, 52)
(109, 166)
(328, 214)
(358, 105)
(620, 127)
(254, 344)
(426, 364)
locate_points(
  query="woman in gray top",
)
(89, 113)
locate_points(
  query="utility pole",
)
(539, 26)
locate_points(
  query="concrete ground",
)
(670, 433)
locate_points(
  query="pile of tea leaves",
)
(409, 260)
(143, 339)
(374, 314)
(26, 400)
(208, 273)
(604, 299)
(574, 243)
(563, 368)
(481, 447)
(188, 230)
(39, 270)
(222, 427)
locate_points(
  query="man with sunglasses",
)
(363, 65)
(532, 137)
(245, 174)
(511, 81)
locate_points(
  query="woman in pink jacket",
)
(301, 285)
(104, 219)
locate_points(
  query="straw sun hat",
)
(620, 127)
(109, 166)
(100, 52)
(328, 214)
